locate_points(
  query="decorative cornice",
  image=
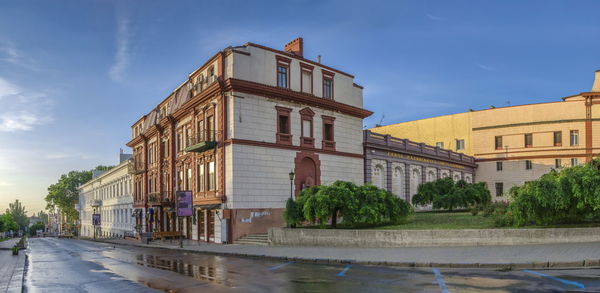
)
(260, 89)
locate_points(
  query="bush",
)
(356, 205)
(449, 195)
(566, 197)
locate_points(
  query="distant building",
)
(400, 165)
(108, 194)
(233, 131)
(515, 144)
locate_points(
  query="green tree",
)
(8, 223)
(64, 193)
(37, 226)
(18, 213)
(449, 195)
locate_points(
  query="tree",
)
(18, 213)
(356, 205)
(8, 223)
(37, 226)
(446, 194)
(64, 193)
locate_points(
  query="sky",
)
(74, 75)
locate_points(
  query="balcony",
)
(160, 198)
(202, 141)
(137, 167)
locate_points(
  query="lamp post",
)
(291, 184)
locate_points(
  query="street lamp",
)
(291, 184)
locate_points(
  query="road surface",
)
(65, 265)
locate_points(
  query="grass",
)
(443, 221)
(451, 221)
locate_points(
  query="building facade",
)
(516, 144)
(110, 194)
(401, 165)
(234, 131)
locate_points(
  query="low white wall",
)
(422, 238)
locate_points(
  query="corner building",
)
(233, 132)
(513, 145)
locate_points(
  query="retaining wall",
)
(424, 238)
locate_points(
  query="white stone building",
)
(260, 113)
(109, 194)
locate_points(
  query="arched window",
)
(398, 182)
(378, 176)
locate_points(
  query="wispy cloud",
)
(434, 17)
(486, 67)
(123, 41)
(20, 109)
(9, 53)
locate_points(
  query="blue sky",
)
(74, 75)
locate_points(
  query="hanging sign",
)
(184, 203)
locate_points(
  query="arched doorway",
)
(308, 171)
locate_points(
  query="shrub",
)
(446, 194)
(357, 205)
(569, 196)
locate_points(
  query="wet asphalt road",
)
(62, 265)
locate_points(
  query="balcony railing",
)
(202, 141)
(160, 198)
(137, 166)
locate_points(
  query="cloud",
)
(485, 67)
(20, 109)
(123, 39)
(5, 184)
(10, 54)
(434, 18)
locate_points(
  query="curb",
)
(588, 263)
(15, 285)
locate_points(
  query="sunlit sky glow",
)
(74, 75)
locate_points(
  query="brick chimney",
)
(295, 47)
(596, 86)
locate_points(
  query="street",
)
(63, 265)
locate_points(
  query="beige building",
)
(108, 194)
(516, 144)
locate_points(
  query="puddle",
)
(199, 272)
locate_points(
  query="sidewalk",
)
(521, 256)
(8, 244)
(11, 271)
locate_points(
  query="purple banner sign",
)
(96, 219)
(184, 203)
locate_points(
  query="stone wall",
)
(423, 238)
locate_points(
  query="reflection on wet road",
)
(60, 265)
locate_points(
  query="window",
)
(200, 130)
(498, 166)
(528, 140)
(211, 176)
(498, 142)
(499, 189)
(439, 144)
(574, 137)
(327, 87)
(557, 163)
(528, 165)
(283, 135)
(558, 138)
(188, 181)
(460, 144)
(210, 128)
(179, 142)
(306, 79)
(200, 181)
(574, 162)
(328, 133)
(306, 127)
(187, 137)
(283, 71)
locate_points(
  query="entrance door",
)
(201, 225)
(211, 226)
(307, 173)
(188, 226)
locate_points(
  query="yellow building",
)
(515, 144)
